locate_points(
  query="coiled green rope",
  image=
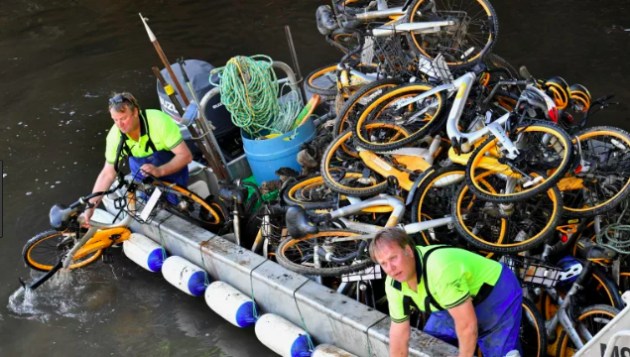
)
(616, 235)
(249, 90)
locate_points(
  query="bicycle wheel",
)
(506, 228)
(532, 333)
(433, 199)
(328, 80)
(418, 118)
(350, 177)
(601, 179)
(359, 100)
(322, 81)
(601, 290)
(472, 35)
(589, 321)
(543, 159)
(326, 253)
(209, 213)
(46, 249)
(310, 193)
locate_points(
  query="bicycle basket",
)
(532, 271)
(392, 58)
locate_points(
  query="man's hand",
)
(150, 169)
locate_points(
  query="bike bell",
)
(571, 269)
(558, 89)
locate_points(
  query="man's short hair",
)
(389, 235)
(123, 99)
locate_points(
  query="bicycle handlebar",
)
(60, 215)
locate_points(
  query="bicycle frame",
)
(397, 25)
(398, 209)
(99, 237)
(415, 159)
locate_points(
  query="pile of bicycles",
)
(438, 135)
(447, 140)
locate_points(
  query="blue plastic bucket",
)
(267, 156)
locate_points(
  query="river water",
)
(62, 58)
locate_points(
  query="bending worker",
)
(151, 140)
(472, 300)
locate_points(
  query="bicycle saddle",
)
(228, 194)
(60, 215)
(297, 223)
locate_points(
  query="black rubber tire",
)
(549, 161)
(208, 213)
(433, 199)
(606, 184)
(297, 254)
(310, 193)
(532, 333)
(46, 249)
(521, 226)
(594, 318)
(359, 100)
(322, 81)
(333, 179)
(382, 110)
(430, 45)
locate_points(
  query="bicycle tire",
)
(506, 228)
(46, 249)
(433, 199)
(532, 332)
(477, 39)
(602, 291)
(297, 254)
(382, 109)
(606, 183)
(359, 100)
(322, 81)
(310, 193)
(208, 213)
(593, 318)
(351, 183)
(325, 80)
(545, 152)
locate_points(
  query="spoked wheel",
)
(326, 253)
(544, 156)
(589, 321)
(348, 175)
(506, 227)
(433, 199)
(418, 118)
(328, 80)
(310, 193)
(472, 33)
(46, 249)
(209, 213)
(532, 333)
(601, 178)
(359, 100)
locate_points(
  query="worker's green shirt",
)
(453, 275)
(164, 132)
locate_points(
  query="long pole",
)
(164, 60)
(206, 147)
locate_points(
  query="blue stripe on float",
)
(197, 283)
(245, 315)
